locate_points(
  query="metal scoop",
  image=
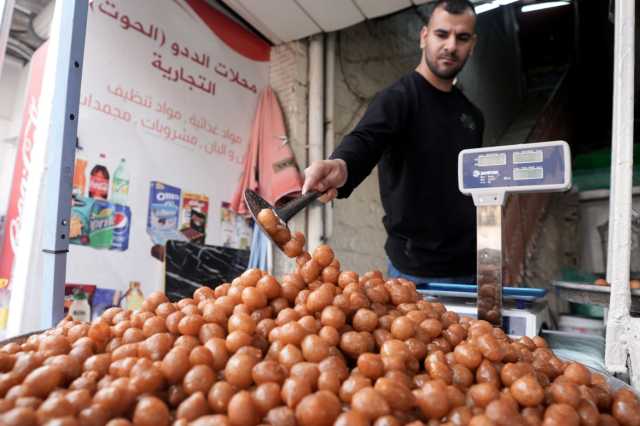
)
(256, 203)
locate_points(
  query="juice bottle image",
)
(120, 184)
(99, 181)
(79, 178)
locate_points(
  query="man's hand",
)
(325, 176)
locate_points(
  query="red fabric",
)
(236, 37)
(270, 168)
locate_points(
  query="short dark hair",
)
(454, 7)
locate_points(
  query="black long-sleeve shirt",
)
(414, 132)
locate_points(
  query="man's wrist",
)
(344, 171)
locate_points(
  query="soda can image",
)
(101, 224)
(121, 227)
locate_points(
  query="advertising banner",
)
(22, 173)
(169, 93)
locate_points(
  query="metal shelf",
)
(591, 294)
(601, 194)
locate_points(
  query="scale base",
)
(515, 322)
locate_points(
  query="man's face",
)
(447, 42)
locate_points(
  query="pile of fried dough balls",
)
(319, 347)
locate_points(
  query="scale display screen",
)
(491, 160)
(543, 166)
(523, 157)
(528, 173)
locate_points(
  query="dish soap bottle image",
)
(133, 297)
(80, 309)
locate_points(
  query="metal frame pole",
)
(329, 119)
(6, 14)
(315, 212)
(623, 332)
(61, 145)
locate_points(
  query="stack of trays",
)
(470, 291)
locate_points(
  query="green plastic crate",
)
(593, 170)
(600, 159)
(587, 179)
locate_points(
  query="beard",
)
(445, 73)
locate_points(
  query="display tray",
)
(591, 294)
(21, 338)
(585, 349)
(470, 291)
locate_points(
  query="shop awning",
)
(285, 20)
(281, 21)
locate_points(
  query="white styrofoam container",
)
(581, 325)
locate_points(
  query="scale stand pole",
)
(489, 257)
(488, 175)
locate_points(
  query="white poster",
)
(169, 93)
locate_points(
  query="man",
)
(414, 130)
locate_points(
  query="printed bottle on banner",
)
(5, 296)
(133, 297)
(80, 309)
(99, 181)
(227, 225)
(79, 178)
(120, 184)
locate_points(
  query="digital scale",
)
(489, 175)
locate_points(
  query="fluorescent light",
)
(540, 6)
(486, 7)
(505, 2)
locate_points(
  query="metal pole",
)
(489, 263)
(70, 30)
(489, 208)
(316, 131)
(329, 128)
(622, 331)
(6, 14)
